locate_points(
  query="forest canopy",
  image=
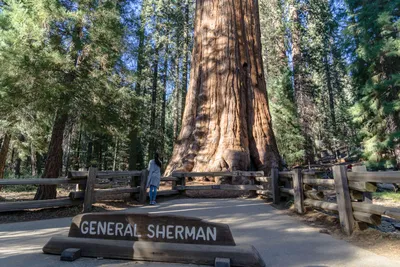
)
(103, 83)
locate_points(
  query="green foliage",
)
(315, 119)
(62, 56)
(96, 61)
(376, 67)
(20, 188)
(391, 196)
(285, 121)
(279, 86)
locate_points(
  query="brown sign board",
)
(151, 228)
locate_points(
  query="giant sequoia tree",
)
(226, 122)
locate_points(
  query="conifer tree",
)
(376, 73)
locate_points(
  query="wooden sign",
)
(150, 227)
(151, 237)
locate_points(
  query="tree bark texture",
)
(164, 103)
(3, 154)
(11, 165)
(177, 97)
(89, 153)
(226, 123)
(135, 160)
(115, 154)
(33, 159)
(54, 158)
(78, 148)
(328, 72)
(17, 168)
(133, 148)
(302, 91)
(152, 144)
(185, 62)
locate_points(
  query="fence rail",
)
(43, 181)
(352, 189)
(92, 185)
(38, 204)
(222, 187)
(221, 174)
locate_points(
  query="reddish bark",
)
(53, 163)
(226, 122)
(3, 154)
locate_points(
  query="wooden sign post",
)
(150, 237)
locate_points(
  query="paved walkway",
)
(281, 240)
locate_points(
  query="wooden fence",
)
(250, 175)
(85, 193)
(90, 187)
(352, 189)
(35, 204)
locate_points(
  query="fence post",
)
(134, 183)
(183, 184)
(298, 190)
(367, 196)
(343, 199)
(173, 185)
(78, 187)
(89, 190)
(275, 185)
(143, 182)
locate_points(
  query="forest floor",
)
(383, 240)
(112, 203)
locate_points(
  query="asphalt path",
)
(280, 239)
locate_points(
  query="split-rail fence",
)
(352, 189)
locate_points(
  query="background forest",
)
(103, 83)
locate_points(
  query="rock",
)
(324, 231)
(222, 262)
(390, 187)
(387, 226)
(397, 226)
(70, 254)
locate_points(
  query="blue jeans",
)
(153, 193)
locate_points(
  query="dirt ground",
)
(381, 243)
(112, 203)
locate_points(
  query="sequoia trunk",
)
(3, 154)
(226, 123)
(53, 163)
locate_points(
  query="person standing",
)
(153, 180)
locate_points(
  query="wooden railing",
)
(352, 189)
(138, 186)
(251, 175)
(35, 204)
(91, 187)
(90, 194)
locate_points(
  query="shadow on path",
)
(281, 240)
